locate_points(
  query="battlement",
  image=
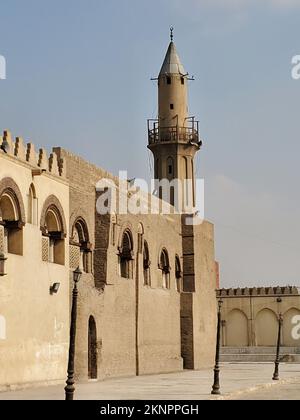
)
(27, 153)
(258, 291)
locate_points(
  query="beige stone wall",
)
(142, 333)
(34, 343)
(126, 311)
(138, 326)
(250, 316)
(205, 311)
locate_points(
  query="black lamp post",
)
(2, 265)
(70, 388)
(277, 361)
(216, 385)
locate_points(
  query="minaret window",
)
(182, 80)
(169, 80)
(171, 106)
(170, 166)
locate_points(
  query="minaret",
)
(173, 137)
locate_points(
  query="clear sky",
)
(78, 76)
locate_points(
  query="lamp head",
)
(77, 275)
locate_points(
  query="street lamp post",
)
(2, 265)
(277, 361)
(70, 388)
(216, 385)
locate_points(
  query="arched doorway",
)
(237, 329)
(92, 350)
(266, 326)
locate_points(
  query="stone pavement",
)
(288, 391)
(238, 381)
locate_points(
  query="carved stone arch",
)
(164, 260)
(32, 189)
(127, 226)
(84, 235)
(126, 254)
(162, 249)
(52, 202)
(8, 185)
(79, 214)
(141, 229)
(128, 238)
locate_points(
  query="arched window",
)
(53, 227)
(164, 266)
(10, 218)
(170, 168)
(178, 274)
(32, 206)
(81, 247)
(146, 265)
(126, 256)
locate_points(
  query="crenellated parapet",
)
(258, 291)
(26, 152)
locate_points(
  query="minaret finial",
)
(171, 33)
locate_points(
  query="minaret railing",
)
(158, 134)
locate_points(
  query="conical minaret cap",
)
(172, 63)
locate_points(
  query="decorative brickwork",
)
(45, 249)
(2, 241)
(74, 257)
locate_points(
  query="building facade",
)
(147, 294)
(34, 232)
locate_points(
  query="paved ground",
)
(290, 391)
(237, 382)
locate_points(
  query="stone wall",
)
(250, 316)
(138, 326)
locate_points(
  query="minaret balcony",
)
(175, 134)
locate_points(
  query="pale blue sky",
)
(78, 76)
